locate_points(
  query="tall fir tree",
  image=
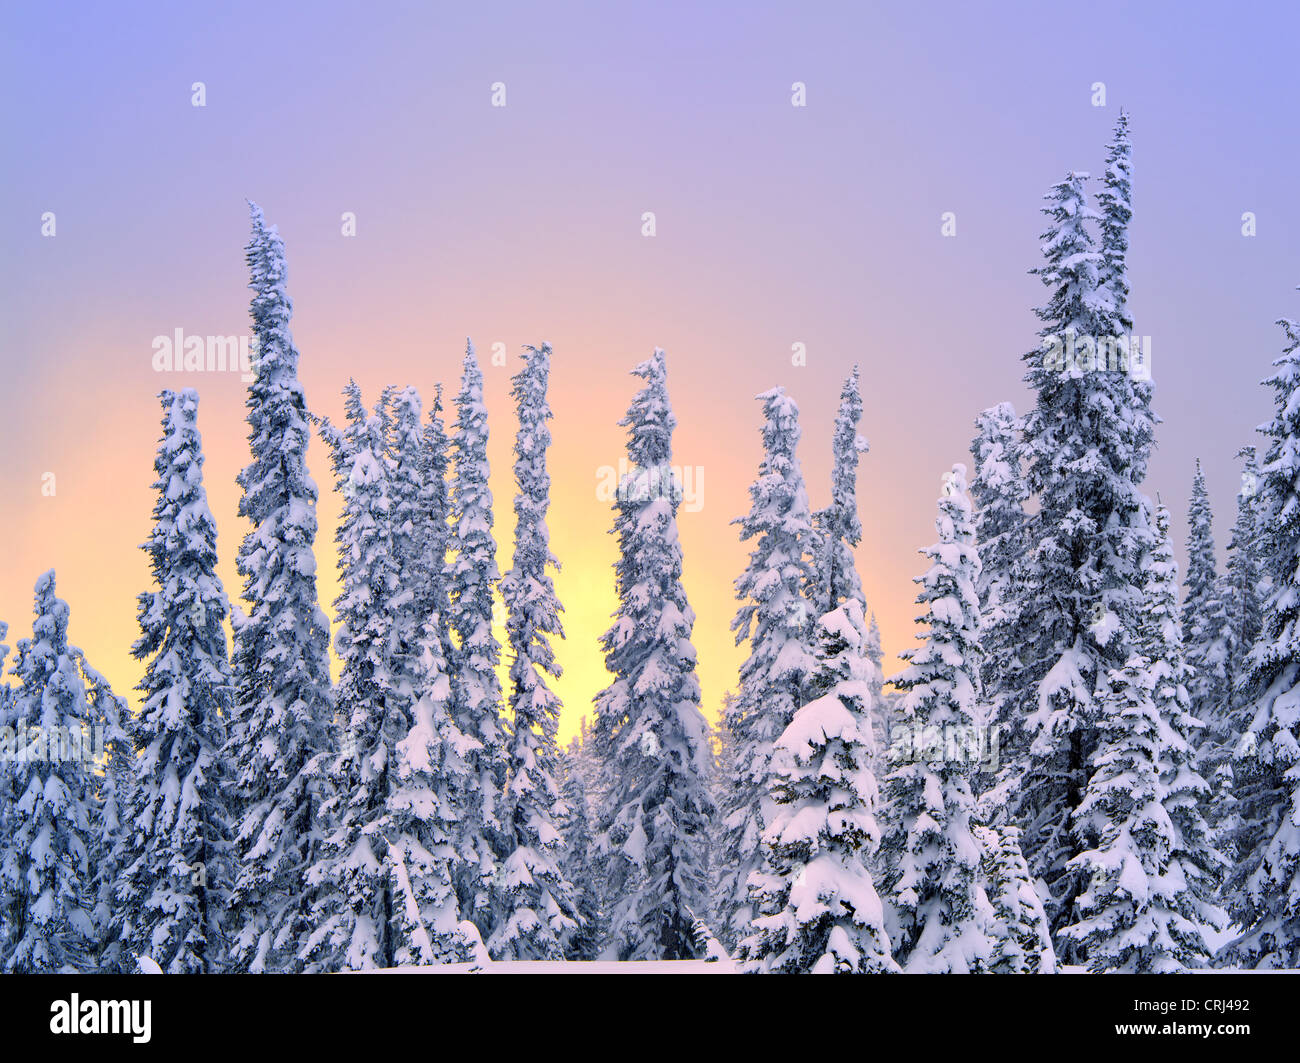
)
(1244, 589)
(432, 774)
(1086, 443)
(47, 883)
(998, 492)
(431, 780)
(354, 910)
(817, 910)
(280, 725)
(1245, 583)
(583, 941)
(816, 903)
(1022, 938)
(537, 906)
(113, 786)
(1205, 625)
(414, 505)
(774, 617)
(10, 902)
(7, 781)
(837, 528)
(431, 584)
(472, 577)
(1133, 386)
(941, 915)
(176, 873)
(883, 716)
(1116, 202)
(1263, 887)
(649, 735)
(1149, 861)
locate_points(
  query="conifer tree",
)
(355, 905)
(816, 904)
(1244, 589)
(774, 617)
(998, 491)
(7, 796)
(583, 941)
(1116, 204)
(1262, 887)
(882, 713)
(1150, 865)
(1204, 618)
(838, 527)
(280, 724)
(431, 586)
(113, 788)
(472, 577)
(941, 916)
(47, 882)
(414, 505)
(1022, 939)
(1086, 443)
(649, 735)
(817, 910)
(432, 778)
(1246, 580)
(538, 911)
(176, 873)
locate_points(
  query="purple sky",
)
(775, 225)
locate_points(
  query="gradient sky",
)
(776, 225)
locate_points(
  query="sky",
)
(774, 226)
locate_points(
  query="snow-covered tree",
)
(424, 805)
(431, 591)
(7, 796)
(941, 918)
(583, 942)
(1121, 809)
(649, 735)
(47, 885)
(774, 617)
(815, 901)
(415, 504)
(1086, 444)
(1149, 864)
(1022, 939)
(537, 907)
(998, 491)
(176, 872)
(1116, 202)
(1204, 617)
(1134, 385)
(817, 910)
(1245, 581)
(280, 725)
(472, 577)
(1196, 864)
(1263, 889)
(882, 707)
(113, 786)
(1243, 589)
(837, 528)
(354, 909)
